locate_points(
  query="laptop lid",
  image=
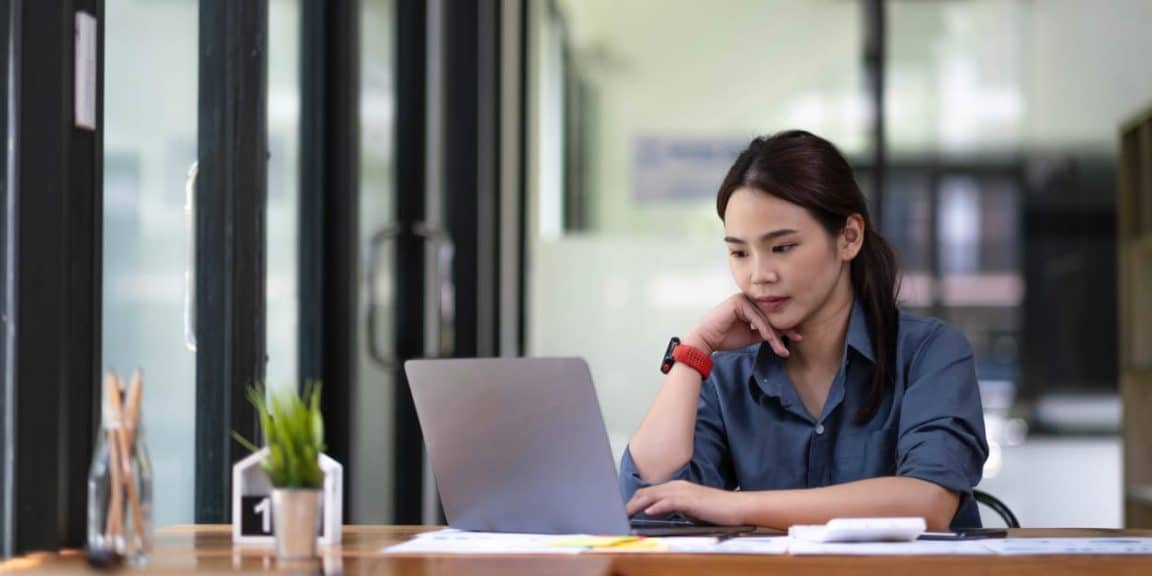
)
(518, 445)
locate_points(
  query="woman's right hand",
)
(736, 323)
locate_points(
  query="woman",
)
(808, 395)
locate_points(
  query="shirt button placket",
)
(817, 458)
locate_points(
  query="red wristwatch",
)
(690, 356)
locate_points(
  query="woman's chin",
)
(784, 321)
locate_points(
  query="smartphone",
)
(968, 534)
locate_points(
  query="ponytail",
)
(875, 279)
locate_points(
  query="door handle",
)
(190, 257)
(443, 252)
(384, 236)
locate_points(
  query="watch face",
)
(668, 360)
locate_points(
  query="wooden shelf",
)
(1137, 311)
(1140, 119)
(1134, 251)
(1139, 493)
(1142, 245)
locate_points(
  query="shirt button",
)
(819, 428)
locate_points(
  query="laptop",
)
(519, 445)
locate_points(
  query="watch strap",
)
(688, 355)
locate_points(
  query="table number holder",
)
(252, 502)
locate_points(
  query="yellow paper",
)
(642, 544)
(595, 541)
(623, 543)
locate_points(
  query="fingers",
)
(661, 507)
(645, 498)
(752, 313)
(651, 501)
(640, 500)
(748, 312)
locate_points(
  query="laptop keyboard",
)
(663, 523)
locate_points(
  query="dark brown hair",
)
(806, 170)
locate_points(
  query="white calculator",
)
(861, 530)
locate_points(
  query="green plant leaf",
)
(317, 419)
(245, 442)
(293, 430)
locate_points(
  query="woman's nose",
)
(765, 275)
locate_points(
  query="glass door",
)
(282, 292)
(150, 131)
(152, 102)
(404, 255)
(149, 279)
(372, 478)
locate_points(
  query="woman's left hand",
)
(691, 500)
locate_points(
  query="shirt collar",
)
(769, 370)
(858, 338)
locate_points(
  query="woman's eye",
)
(783, 248)
(737, 253)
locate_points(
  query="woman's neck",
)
(825, 331)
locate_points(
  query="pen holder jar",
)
(120, 480)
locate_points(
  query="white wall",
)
(616, 302)
(1087, 69)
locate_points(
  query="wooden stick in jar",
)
(131, 420)
(132, 407)
(115, 504)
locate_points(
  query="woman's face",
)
(783, 259)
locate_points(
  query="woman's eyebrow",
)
(763, 238)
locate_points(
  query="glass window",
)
(372, 432)
(150, 124)
(283, 300)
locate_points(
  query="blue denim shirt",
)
(754, 433)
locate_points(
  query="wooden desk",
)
(190, 549)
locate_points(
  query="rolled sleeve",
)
(941, 436)
(710, 464)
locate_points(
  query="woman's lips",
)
(772, 304)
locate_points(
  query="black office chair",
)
(997, 506)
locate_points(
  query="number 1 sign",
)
(252, 501)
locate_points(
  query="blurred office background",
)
(537, 177)
(1000, 133)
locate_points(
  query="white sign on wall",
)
(681, 168)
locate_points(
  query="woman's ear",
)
(851, 237)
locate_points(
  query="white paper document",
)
(917, 548)
(699, 545)
(753, 545)
(1039, 546)
(450, 541)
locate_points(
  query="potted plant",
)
(293, 431)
